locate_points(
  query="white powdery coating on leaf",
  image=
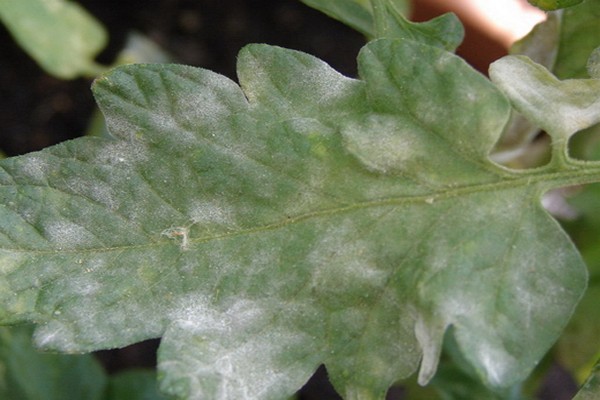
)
(35, 167)
(92, 311)
(98, 191)
(498, 364)
(83, 285)
(384, 143)
(197, 313)
(122, 153)
(327, 84)
(67, 234)
(228, 354)
(205, 104)
(458, 305)
(342, 260)
(54, 335)
(212, 212)
(9, 262)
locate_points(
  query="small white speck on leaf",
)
(178, 233)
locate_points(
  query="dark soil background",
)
(37, 110)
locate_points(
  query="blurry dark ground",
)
(37, 110)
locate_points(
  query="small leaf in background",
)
(562, 44)
(542, 43)
(27, 374)
(59, 34)
(387, 19)
(593, 64)
(549, 5)
(579, 346)
(561, 108)
(591, 388)
(134, 384)
(445, 31)
(516, 147)
(578, 38)
(357, 14)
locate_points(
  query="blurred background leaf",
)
(60, 35)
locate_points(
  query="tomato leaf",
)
(301, 218)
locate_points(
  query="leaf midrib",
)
(545, 177)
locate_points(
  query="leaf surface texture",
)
(300, 218)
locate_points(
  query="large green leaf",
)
(59, 34)
(303, 219)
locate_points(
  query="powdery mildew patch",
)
(35, 167)
(98, 191)
(122, 153)
(227, 353)
(213, 212)
(385, 144)
(342, 260)
(65, 234)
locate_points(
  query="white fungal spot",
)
(34, 167)
(384, 143)
(120, 152)
(232, 349)
(98, 191)
(68, 234)
(341, 258)
(496, 362)
(211, 212)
